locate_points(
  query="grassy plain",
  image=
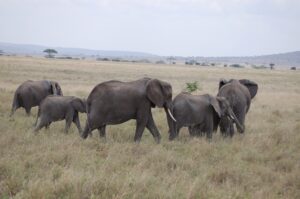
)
(262, 163)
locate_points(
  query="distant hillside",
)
(280, 60)
(28, 49)
(283, 59)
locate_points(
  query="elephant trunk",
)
(239, 126)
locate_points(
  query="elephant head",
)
(160, 94)
(250, 85)
(79, 105)
(223, 109)
(55, 88)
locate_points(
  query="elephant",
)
(115, 102)
(31, 93)
(55, 108)
(201, 113)
(239, 93)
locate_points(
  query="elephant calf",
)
(201, 113)
(55, 108)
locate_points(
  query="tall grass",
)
(262, 163)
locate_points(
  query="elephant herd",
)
(115, 102)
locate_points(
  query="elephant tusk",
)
(171, 115)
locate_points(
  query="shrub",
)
(192, 86)
(236, 66)
(160, 62)
(259, 67)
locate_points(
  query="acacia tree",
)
(50, 52)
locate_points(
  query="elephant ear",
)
(78, 105)
(222, 82)
(53, 88)
(214, 101)
(58, 89)
(252, 86)
(155, 93)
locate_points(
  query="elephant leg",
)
(69, 118)
(28, 111)
(140, 127)
(241, 117)
(178, 126)
(191, 131)
(153, 129)
(209, 131)
(141, 123)
(76, 121)
(225, 127)
(13, 110)
(87, 130)
(102, 132)
(67, 126)
(39, 124)
(231, 130)
(48, 125)
(174, 132)
(195, 131)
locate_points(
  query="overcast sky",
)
(163, 27)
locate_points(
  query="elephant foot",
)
(157, 139)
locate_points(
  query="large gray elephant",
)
(115, 102)
(239, 93)
(31, 93)
(55, 108)
(201, 113)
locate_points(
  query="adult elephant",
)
(115, 102)
(201, 113)
(55, 108)
(239, 93)
(31, 93)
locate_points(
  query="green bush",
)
(192, 86)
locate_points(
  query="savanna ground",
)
(262, 163)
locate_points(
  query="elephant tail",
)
(15, 103)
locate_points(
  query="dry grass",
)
(264, 163)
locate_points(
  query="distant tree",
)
(171, 59)
(293, 68)
(225, 65)
(190, 62)
(1, 52)
(160, 62)
(272, 66)
(50, 52)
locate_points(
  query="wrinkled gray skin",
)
(239, 93)
(201, 113)
(115, 102)
(31, 93)
(55, 108)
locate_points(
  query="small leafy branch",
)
(192, 86)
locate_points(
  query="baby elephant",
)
(55, 108)
(201, 113)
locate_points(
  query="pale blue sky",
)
(163, 27)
